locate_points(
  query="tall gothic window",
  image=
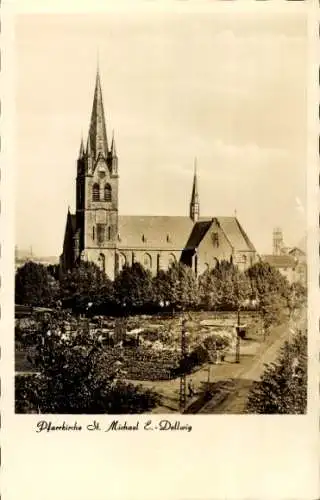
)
(100, 233)
(215, 240)
(95, 192)
(109, 233)
(122, 261)
(102, 262)
(171, 259)
(107, 192)
(147, 262)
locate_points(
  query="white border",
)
(230, 457)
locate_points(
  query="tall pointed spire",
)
(194, 203)
(97, 131)
(88, 150)
(81, 150)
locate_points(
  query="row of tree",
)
(283, 386)
(86, 288)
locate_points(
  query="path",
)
(234, 379)
(235, 401)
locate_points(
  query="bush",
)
(176, 288)
(34, 286)
(283, 386)
(73, 377)
(86, 284)
(134, 288)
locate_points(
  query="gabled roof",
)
(279, 261)
(234, 232)
(154, 231)
(296, 250)
(197, 234)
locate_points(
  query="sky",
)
(228, 89)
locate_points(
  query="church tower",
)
(97, 191)
(194, 203)
(277, 241)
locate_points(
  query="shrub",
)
(34, 286)
(283, 386)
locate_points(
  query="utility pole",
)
(183, 380)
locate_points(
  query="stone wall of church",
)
(213, 247)
(104, 258)
(154, 260)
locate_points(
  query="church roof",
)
(235, 233)
(176, 232)
(198, 232)
(154, 231)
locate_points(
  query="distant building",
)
(23, 256)
(97, 233)
(290, 261)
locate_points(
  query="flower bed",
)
(143, 364)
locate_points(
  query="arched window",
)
(93, 235)
(95, 192)
(107, 192)
(109, 233)
(172, 260)
(158, 262)
(100, 233)
(147, 261)
(102, 262)
(122, 261)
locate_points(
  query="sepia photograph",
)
(161, 214)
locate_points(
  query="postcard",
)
(159, 261)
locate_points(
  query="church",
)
(97, 232)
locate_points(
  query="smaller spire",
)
(113, 146)
(81, 151)
(98, 62)
(194, 203)
(88, 150)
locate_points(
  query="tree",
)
(177, 287)
(74, 378)
(34, 286)
(283, 386)
(266, 279)
(209, 290)
(85, 284)
(224, 287)
(271, 290)
(134, 288)
(297, 296)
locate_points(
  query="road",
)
(235, 401)
(230, 381)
